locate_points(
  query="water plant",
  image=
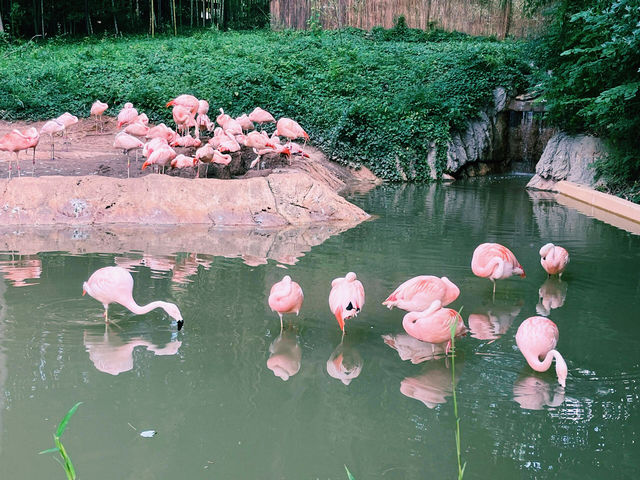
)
(66, 463)
(452, 330)
(349, 476)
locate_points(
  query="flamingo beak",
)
(523, 275)
(84, 292)
(145, 165)
(340, 319)
(180, 324)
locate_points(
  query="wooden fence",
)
(476, 17)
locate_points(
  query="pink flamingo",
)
(553, 259)
(188, 101)
(222, 119)
(162, 131)
(137, 128)
(261, 116)
(495, 261)
(536, 338)
(204, 155)
(433, 325)
(67, 120)
(181, 116)
(285, 297)
(418, 293)
(97, 109)
(203, 107)
(127, 143)
(187, 141)
(285, 357)
(346, 298)
(182, 161)
(161, 157)
(245, 123)
(51, 128)
(115, 285)
(33, 139)
(14, 141)
(221, 158)
(127, 115)
(290, 129)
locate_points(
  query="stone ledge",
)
(603, 201)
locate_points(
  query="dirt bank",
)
(87, 183)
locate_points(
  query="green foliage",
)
(66, 463)
(592, 50)
(363, 101)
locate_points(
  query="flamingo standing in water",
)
(418, 293)
(495, 261)
(433, 325)
(97, 109)
(553, 259)
(285, 297)
(536, 338)
(115, 285)
(346, 298)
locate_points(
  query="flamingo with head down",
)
(115, 285)
(554, 259)
(346, 298)
(418, 293)
(434, 324)
(286, 297)
(537, 338)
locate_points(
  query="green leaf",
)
(65, 420)
(49, 450)
(349, 476)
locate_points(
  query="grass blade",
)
(49, 450)
(65, 420)
(349, 476)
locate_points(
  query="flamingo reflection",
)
(181, 268)
(345, 363)
(492, 322)
(533, 392)
(18, 271)
(412, 349)
(112, 354)
(433, 385)
(552, 294)
(286, 354)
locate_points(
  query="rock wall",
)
(280, 199)
(567, 157)
(481, 147)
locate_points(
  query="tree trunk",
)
(42, 17)
(173, 14)
(1, 24)
(159, 17)
(152, 20)
(506, 19)
(191, 15)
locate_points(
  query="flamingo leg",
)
(494, 288)
(280, 321)
(18, 161)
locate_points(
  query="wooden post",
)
(152, 21)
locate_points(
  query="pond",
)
(220, 411)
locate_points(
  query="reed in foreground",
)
(66, 463)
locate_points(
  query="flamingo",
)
(97, 109)
(115, 285)
(162, 131)
(51, 128)
(536, 338)
(433, 325)
(127, 143)
(127, 115)
(137, 128)
(285, 297)
(181, 116)
(204, 155)
(152, 145)
(14, 141)
(186, 141)
(495, 261)
(66, 119)
(553, 259)
(245, 123)
(33, 139)
(285, 357)
(261, 116)
(290, 129)
(182, 161)
(346, 298)
(142, 118)
(222, 119)
(418, 293)
(203, 107)
(221, 158)
(161, 156)
(188, 101)
(232, 127)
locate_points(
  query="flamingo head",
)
(145, 165)
(171, 103)
(546, 249)
(174, 312)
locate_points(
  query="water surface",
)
(377, 401)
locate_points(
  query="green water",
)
(220, 412)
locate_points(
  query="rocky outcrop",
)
(277, 200)
(480, 148)
(569, 158)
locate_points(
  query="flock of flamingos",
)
(229, 136)
(424, 297)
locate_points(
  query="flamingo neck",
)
(142, 309)
(543, 365)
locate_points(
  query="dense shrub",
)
(362, 100)
(592, 49)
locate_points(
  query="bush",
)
(363, 101)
